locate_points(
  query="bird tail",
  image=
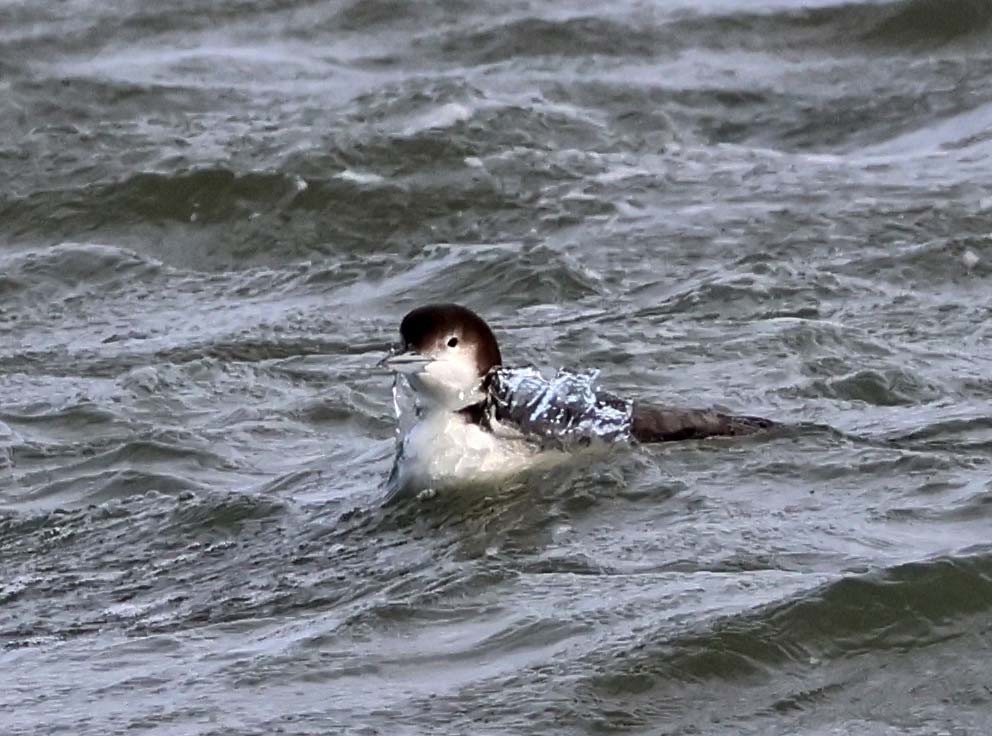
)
(666, 424)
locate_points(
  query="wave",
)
(931, 22)
(841, 28)
(958, 435)
(130, 468)
(544, 37)
(435, 188)
(888, 387)
(69, 266)
(89, 488)
(234, 219)
(951, 260)
(900, 609)
(834, 29)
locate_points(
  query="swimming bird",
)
(477, 420)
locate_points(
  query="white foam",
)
(359, 177)
(440, 117)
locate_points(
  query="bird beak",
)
(408, 362)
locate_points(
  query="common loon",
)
(477, 420)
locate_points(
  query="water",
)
(214, 216)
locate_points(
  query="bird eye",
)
(452, 342)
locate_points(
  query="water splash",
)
(397, 411)
(564, 410)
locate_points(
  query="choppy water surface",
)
(212, 218)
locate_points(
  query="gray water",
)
(213, 216)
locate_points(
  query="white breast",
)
(444, 449)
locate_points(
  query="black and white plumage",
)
(477, 418)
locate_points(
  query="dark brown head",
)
(447, 349)
(429, 329)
